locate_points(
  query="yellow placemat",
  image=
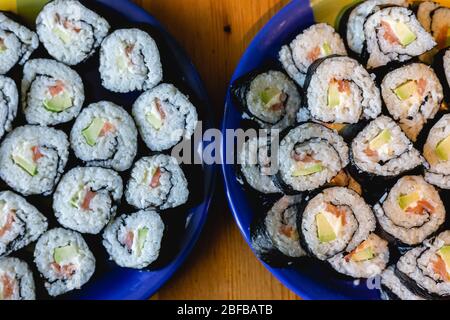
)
(27, 9)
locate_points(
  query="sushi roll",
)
(275, 238)
(16, 280)
(310, 156)
(52, 93)
(394, 34)
(105, 135)
(336, 220)
(20, 223)
(17, 43)
(383, 149)
(339, 90)
(164, 116)
(69, 31)
(64, 260)
(435, 19)
(157, 182)
(392, 287)
(32, 159)
(9, 101)
(269, 98)
(437, 154)
(318, 41)
(130, 61)
(411, 212)
(424, 270)
(413, 95)
(86, 199)
(367, 260)
(134, 241)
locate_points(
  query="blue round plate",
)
(310, 280)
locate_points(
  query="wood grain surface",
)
(215, 33)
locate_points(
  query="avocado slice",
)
(29, 166)
(92, 132)
(325, 230)
(75, 200)
(65, 253)
(58, 103)
(447, 42)
(142, 237)
(363, 255)
(406, 90)
(326, 49)
(154, 119)
(63, 35)
(443, 149)
(308, 170)
(3, 47)
(406, 200)
(334, 96)
(381, 139)
(444, 253)
(403, 33)
(271, 96)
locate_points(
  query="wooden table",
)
(215, 33)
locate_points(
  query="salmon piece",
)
(129, 240)
(287, 230)
(362, 246)
(107, 127)
(339, 213)
(87, 200)
(389, 34)
(370, 153)
(440, 269)
(36, 153)
(422, 207)
(314, 54)
(65, 271)
(8, 224)
(344, 86)
(160, 109)
(421, 86)
(69, 25)
(156, 179)
(8, 286)
(57, 88)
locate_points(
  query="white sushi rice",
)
(121, 239)
(54, 148)
(69, 31)
(9, 100)
(39, 76)
(117, 148)
(19, 280)
(390, 280)
(82, 263)
(447, 66)
(129, 61)
(108, 188)
(178, 120)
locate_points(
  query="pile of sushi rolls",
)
(339, 90)
(383, 149)
(164, 116)
(394, 34)
(316, 42)
(64, 260)
(86, 198)
(105, 135)
(310, 155)
(435, 19)
(9, 100)
(275, 238)
(257, 164)
(392, 287)
(269, 98)
(16, 280)
(69, 31)
(437, 154)
(52, 93)
(20, 223)
(424, 270)
(32, 159)
(157, 182)
(134, 241)
(413, 95)
(17, 43)
(130, 61)
(412, 210)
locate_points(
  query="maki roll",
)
(318, 41)
(383, 149)
(310, 156)
(64, 261)
(424, 270)
(334, 221)
(437, 153)
(339, 89)
(394, 34)
(275, 237)
(9, 100)
(52, 93)
(32, 159)
(16, 280)
(435, 19)
(129, 61)
(413, 95)
(20, 223)
(17, 43)
(412, 210)
(134, 241)
(105, 135)
(269, 98)
(164, 116)
(86, 199)
(392, 287)
(157, 182)
(69, 31)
